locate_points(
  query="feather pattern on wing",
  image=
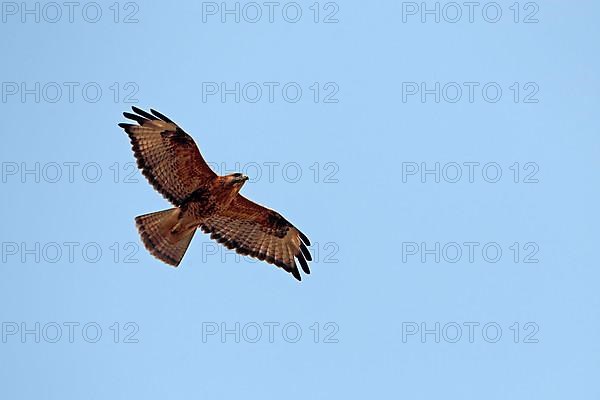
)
(166, 155)
(259, 232)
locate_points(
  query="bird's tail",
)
(162, 236)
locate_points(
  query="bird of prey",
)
(171, 161)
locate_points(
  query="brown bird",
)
(171, 161)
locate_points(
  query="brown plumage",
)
(172, 163)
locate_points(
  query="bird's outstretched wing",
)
(259, 232)
(167, 156)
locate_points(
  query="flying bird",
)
(172, 163)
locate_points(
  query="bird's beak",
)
(245, 178)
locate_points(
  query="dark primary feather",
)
(136, 118)
(143, 113)
(161, 116)
(303, 263)
(305, 252)
(304, 238)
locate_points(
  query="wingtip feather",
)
(160, 115)
(296, 274)
(303, 263)
(305, 251)
(143, 113)
(304, 238)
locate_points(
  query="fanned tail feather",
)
(161, 239)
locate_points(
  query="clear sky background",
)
(397, 306)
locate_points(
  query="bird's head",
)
(236, 180)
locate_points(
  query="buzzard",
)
(171, 161)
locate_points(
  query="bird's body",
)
(206, 202)
(171, 161)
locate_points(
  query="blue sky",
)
(445, 172)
